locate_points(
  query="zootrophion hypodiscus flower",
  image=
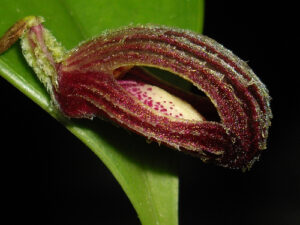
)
(104, 77)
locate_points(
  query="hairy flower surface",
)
(103, 77)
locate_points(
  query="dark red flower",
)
(101, 78)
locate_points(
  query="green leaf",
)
(146, 173)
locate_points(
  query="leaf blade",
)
(150, 183)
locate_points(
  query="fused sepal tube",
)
(89, 81)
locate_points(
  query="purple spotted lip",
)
(102, 78)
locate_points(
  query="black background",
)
(57, 181)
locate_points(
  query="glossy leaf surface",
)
(147, 175)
